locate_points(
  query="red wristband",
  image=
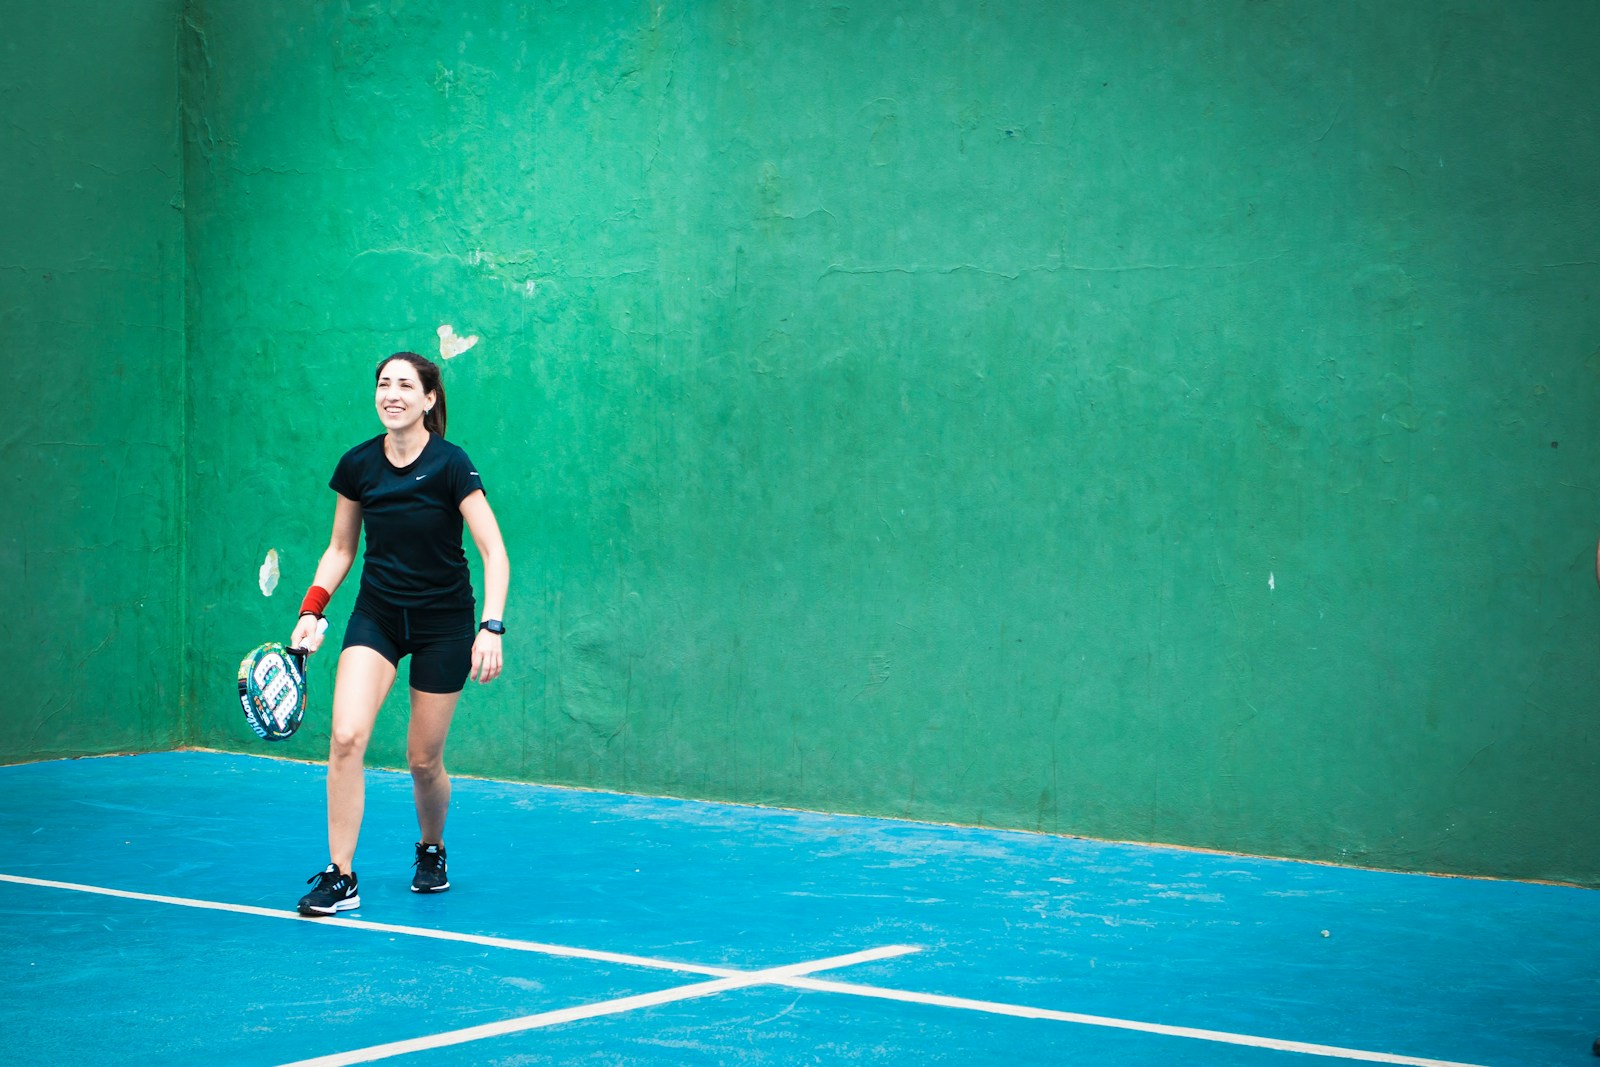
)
(316, 599)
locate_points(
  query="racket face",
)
(272, 691)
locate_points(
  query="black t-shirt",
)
(412, 516)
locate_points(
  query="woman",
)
(413, 491)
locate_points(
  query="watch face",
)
(494, 626)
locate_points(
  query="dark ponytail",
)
(428, 374)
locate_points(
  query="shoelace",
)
(325, 879)
(429, 860)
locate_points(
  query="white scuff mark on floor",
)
(269, 572)
(450, 345)
(1272, 580)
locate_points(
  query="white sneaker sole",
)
(347, 904)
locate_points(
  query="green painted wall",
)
(91, 316)
(1152, 421)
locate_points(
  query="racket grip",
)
(322, 628)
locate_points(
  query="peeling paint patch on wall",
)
(269, 573)
(451, 346)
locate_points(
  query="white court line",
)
(591, 1011)
(773, 977)
(989, 1007)
(341, 922)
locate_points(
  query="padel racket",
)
(272, 689)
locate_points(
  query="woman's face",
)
(401, 401)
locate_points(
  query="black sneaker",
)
(334, 892)
(430, 876)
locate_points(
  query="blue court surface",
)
(148, 908)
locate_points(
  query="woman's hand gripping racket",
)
(272, 684)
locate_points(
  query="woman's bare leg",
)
(363, 681)
(430, 785)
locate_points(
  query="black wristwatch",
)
(494, 626)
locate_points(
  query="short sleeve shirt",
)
(411, 516)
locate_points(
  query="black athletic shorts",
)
(439, 641)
